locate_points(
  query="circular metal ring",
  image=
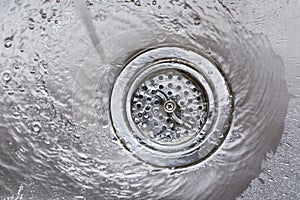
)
(171, 107)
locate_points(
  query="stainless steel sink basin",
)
(149, 99)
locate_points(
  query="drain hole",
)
(168, 111)
(148, 108)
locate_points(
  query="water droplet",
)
(36, 127)
(32, 71)
(21, 88)
(102, 17)
(44, 15)
(161, 37)
(16, 114)
(17, 66)
(6, 76)
(8, 42)
(137, 3)
(10, 92)
(154, 2)
(31, 26)
(175, 21)
(197, 21)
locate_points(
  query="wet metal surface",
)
(59, 61)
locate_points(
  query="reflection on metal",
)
(171, 106)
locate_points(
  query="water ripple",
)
(57, 140)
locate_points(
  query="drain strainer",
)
(171, 107)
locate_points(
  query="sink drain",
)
(171, 107)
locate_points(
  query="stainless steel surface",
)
(61, 59)
(279, 21)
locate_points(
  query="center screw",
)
(170, 106)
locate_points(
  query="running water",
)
(57, 139)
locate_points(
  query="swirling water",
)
(59, 60)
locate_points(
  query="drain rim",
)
(178, 155)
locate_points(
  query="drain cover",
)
(171, 107)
